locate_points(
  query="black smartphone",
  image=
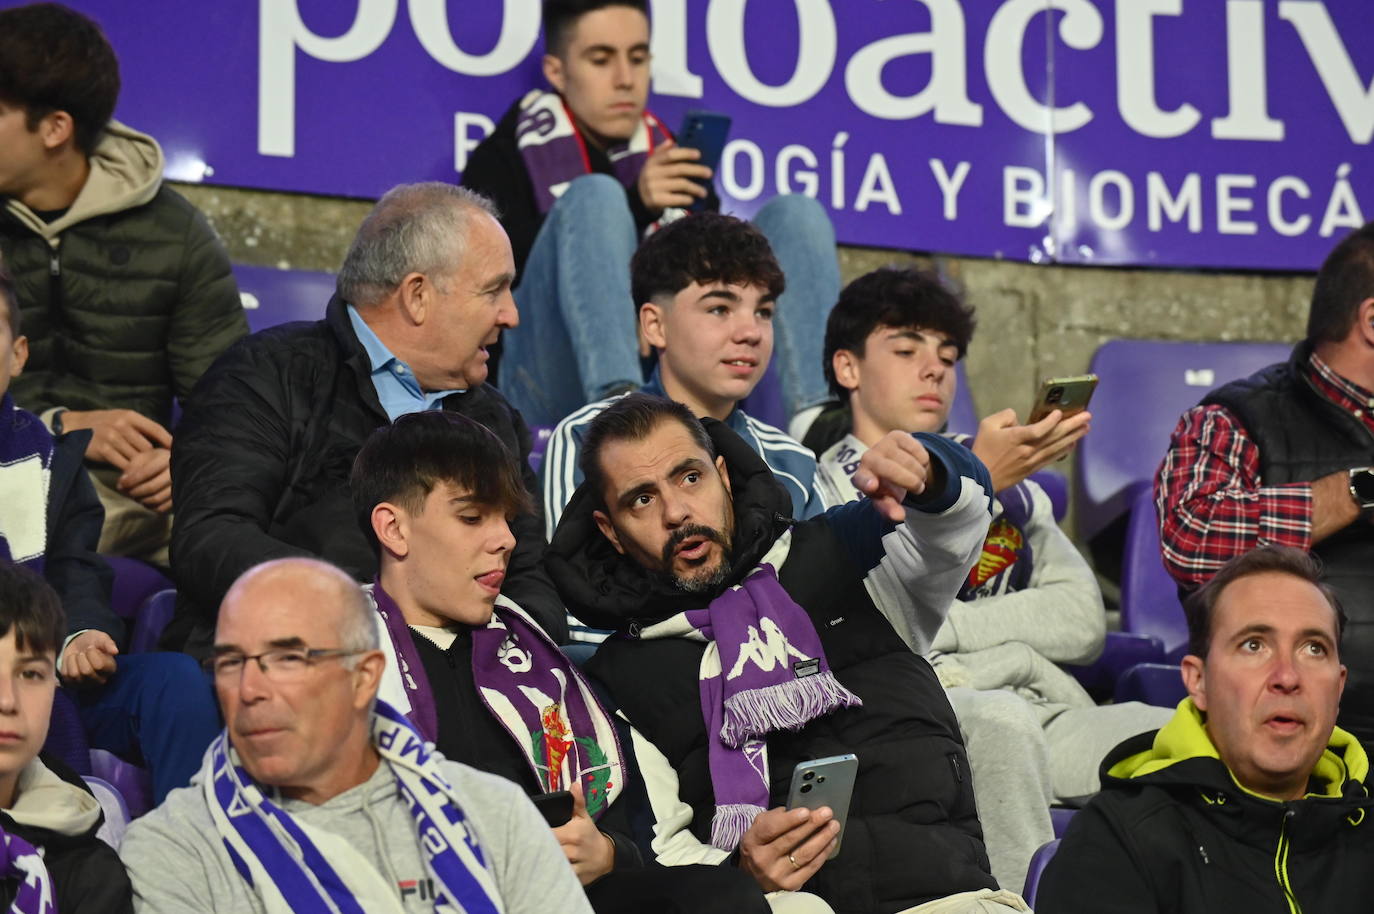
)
(706, 132)
(556, 807)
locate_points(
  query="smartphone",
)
(704, 131)
(556, 807)
(825, 782)
(1068, 395)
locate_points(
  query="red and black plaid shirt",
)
(1211, 501)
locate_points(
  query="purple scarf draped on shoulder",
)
(537, 694)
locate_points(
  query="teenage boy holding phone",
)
(1034, 736)
(581, 173)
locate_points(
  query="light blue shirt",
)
(393, 380)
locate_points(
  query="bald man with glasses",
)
(319, 797)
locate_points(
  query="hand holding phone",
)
(706, 132)
(555, 807)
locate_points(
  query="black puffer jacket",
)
(1173, 832)
(127, 298)
(913, 833)
(87, 875)
(261, 462)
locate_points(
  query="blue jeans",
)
(157, 706)
(577, 339)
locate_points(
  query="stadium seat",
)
(115, 809)
(271, 296)
(765, 402)
(1145, 386)
(963, 415)
(1149, 596)
(1039, 861)
(1157, 684)
(67, 740)
(134, 583)
(134, 784)
(1060, 817)
(151, 619)
(539, 444)
(1120, 652)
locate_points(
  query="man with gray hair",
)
(319, 797)
(269, 435)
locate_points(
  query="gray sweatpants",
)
(1021, 767)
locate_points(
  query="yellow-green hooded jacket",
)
(1172, 831)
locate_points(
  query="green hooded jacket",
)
(1173, 831)
(127, 297)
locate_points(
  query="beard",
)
(705, 579)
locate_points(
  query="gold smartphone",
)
(1068, 395)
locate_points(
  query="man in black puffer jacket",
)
(269, 435)
(1251, 799)
(751, 643)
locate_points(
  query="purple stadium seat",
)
(271, 296)
(765, 402)
(1149, 596)
(152, 618)
(134, 583)
(1060, 817)
(1039, 861)
(1121, 651)
(114, 807)
(963, 415)
(1145, 386)
(134, 784)
(540, 443)
(1153, 683)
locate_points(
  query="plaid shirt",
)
(1211, 501)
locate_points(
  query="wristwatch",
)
(1362, 489)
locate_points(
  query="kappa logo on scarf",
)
(766, 652)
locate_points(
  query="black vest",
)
(913, 833)
(1302, 436)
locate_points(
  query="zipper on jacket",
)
(1281, 864)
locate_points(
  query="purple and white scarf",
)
(555, 152)
(531, 687)
(295, 867)
(763, 671)
(21, 863)
(26, 450)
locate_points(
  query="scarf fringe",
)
(788, 705)
(730, 823)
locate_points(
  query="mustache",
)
(682, 534)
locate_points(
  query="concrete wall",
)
(1033, 321)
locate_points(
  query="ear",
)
(845, 364)
(389, 526)
(724, 472)
(1364, 321)
(56, 128)
(367, 678)
(603, 523)
(553, 72)
(651, 325)
(415, 292)
(21, 356)
(1194, 672)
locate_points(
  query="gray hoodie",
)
(179, 865)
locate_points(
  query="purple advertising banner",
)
(1180, 133)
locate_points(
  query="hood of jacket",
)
(46, 801)
(605, 589)
(1181, 755)
(126, 171)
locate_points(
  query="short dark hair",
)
(55, 59)
(404, 461)
(633, 417)
(9, 299)
(1345, 279)
(561, 15)
(703, 248)
(1199, 607)
(31, 608)
(892, 297)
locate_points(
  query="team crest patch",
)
(1000, 551)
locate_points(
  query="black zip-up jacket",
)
(913, 833)
(1173, 832)
(261, 463)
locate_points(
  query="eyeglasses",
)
(283, 664)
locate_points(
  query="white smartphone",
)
(825, 782)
